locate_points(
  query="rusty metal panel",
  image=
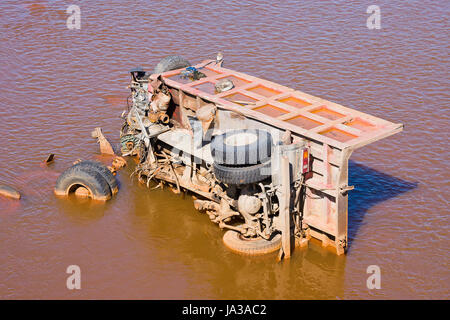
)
(312, 117)
(332, 130)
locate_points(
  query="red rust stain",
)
(327, 113)
(209, 72)
(304, 122)
(338, 135)
(361, 124)
(207, 87)
(239, 97)
(295, 102)
(271, 110)
(238, 82)
(264, 91)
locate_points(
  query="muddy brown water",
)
(57, 85)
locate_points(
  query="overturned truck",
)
(266, 162)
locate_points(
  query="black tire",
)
(242, 147)
(242, 175)
(104, 171)
(78, 176)
(257, 246)
(171, 63)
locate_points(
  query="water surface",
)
(57, 85)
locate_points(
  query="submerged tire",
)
(103, 170)
(242, 147)
(242, 175)
(171, 63)
(258, 246)
(78, 176)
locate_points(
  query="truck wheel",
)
(79, 177)
(171, 63)
(253, 246)
(242, 147)
(242, 175)
(103, 170)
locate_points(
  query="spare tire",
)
(78, 176)
(243, 174)
(103, 170)
(171, 63)
(252, 246)
(242, 147)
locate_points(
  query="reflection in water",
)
(211, 271)
(81, 210)
(371, 187)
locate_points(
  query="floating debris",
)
(50, 158)
(105, 146)
(224, 85)
(119, 162)
(9, 192)
(192, 73)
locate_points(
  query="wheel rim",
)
(80, 191)
(241, 139)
